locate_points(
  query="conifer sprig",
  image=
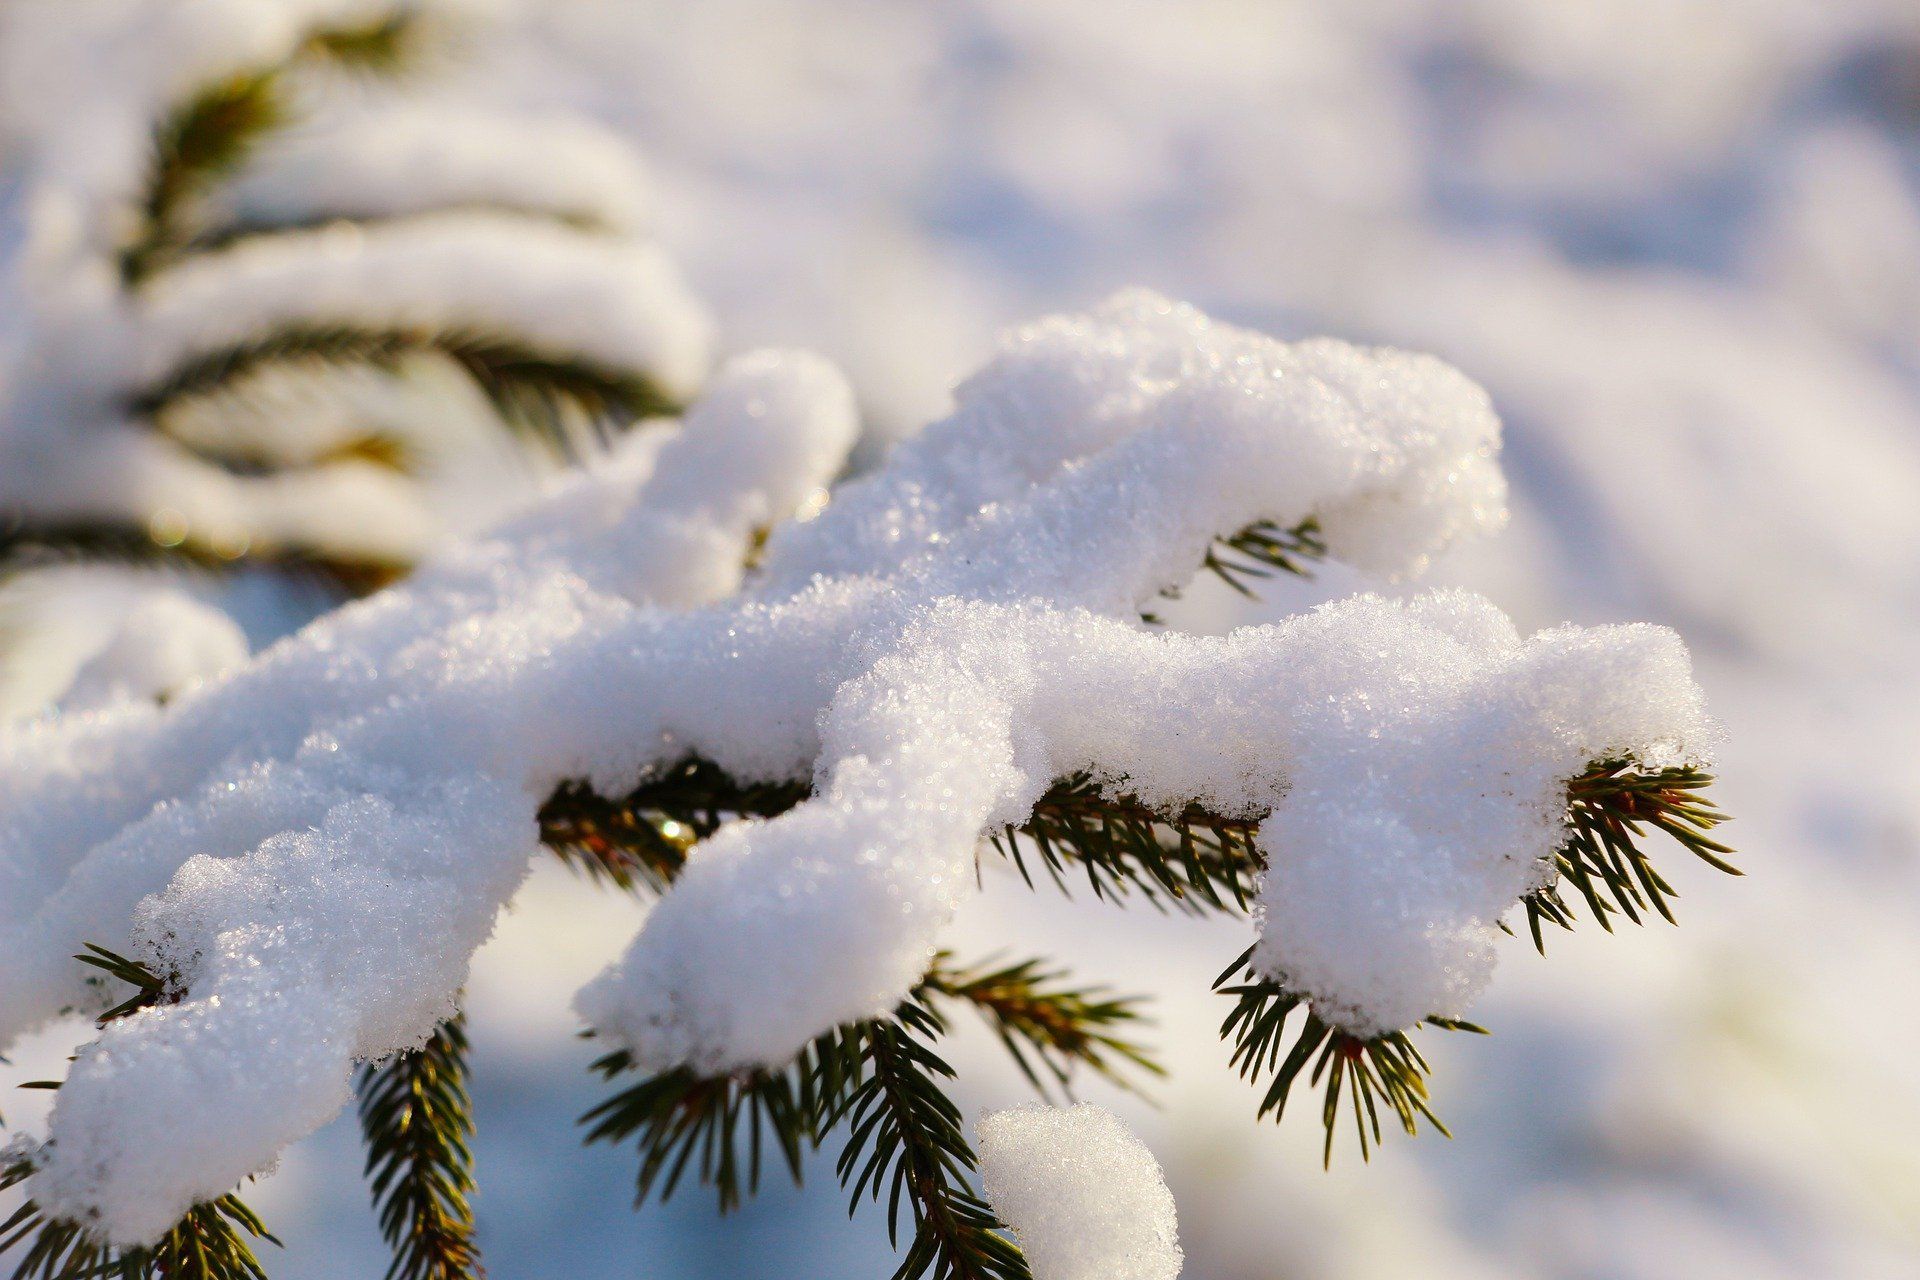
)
(884, 1079)
(719, 1128)
(417, 1122)
(1373, 1074)
(209, 1243)
(532, 390)
(905, 1141)
(1264, 550)
(1195, 861)
(1049, 1029)
(210, 135)
(1610, 810)
(640, 840)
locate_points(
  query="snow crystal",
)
(1083, 1195)
(317, 842)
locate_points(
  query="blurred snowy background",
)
(1680, 244)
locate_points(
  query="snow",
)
(162, 644)
(82, 84)
(618, 303)
(318, 842)
(410, 155)
(1083, 1195)
(372, 834)
(520, 225)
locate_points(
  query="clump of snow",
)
(317, 842)
(162, 645)
(414, 155)
(1083, 1195)
(620, 303)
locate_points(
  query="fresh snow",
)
(317, 843)
(1084, 1196)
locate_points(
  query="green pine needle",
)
(209, 1243)
(210, 135)
(1372, 1074)
(202, 141)
(1050, 1031)
(1610, 810)
(417, 1123)
(905, 1141)
(543, 395)
(1264, 550)
(1195, 861)
(727, 1122)
(640, 840)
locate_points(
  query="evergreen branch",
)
(1610, 808)
(1263, 550)
(382, 46)
(641, 839)
(150, 990)
(1048, 1030)
(728, 1121)
(208, 1243)
(209, 136)
(905, 1138)
(240, 230)
(611, 842)
(532, 390)
(1370, 1071)
(417, 1122)
(25, 546)
(202, 141)
(1194, 860)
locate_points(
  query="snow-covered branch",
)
(316, 844)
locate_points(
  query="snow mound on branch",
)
(317, 842)
(406, 156)
(1083, 1195)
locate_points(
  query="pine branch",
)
(381, 46)
(641, 840)
(209, 136)
(1194, 860)
(728, 1121)
(1048, 1030)
(202, 141)
(417, 1122)
(905, 1138)
(25, 546)
(1610, 808)
(239, 230)
(209, 1243)
(1263, 550)
(532, 390)
(1372, 1072)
